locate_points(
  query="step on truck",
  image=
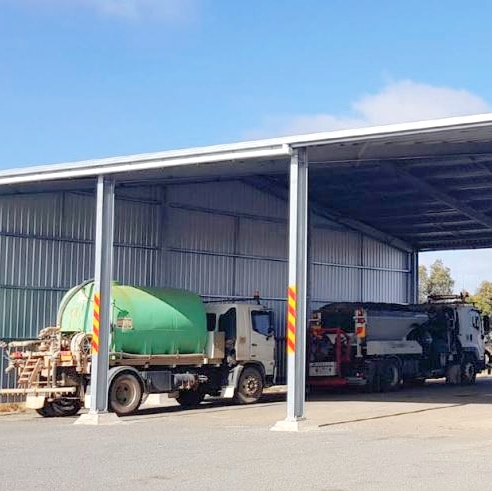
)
(162, 341)
(382, 346)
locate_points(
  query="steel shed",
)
(216, 220)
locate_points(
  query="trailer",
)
(163, 341)
(382, 346)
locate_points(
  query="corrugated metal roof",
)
(424, 185)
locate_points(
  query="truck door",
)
(262, 339)
(471, 331)
(478, 332)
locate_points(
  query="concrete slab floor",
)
(433, 437)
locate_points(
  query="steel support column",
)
(297, 315)
(102, 288)
(415, 276)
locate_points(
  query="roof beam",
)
(278, 189)
(475, 233)
(436, 193)
(444, 244)
(425, 225)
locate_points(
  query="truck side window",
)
(262, 323)
(211, 322)
(227, 324)
(476, 320)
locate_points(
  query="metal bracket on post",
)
(98, 411)
(297, 294)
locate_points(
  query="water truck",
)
(161, 341)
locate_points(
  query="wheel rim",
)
(251, 386)
(394, 376)
(125, 394)
(469, 371)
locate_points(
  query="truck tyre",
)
(468, 372)
(65, 406)
(372, 377)
(190, 398)
(390, 376)
(125, 394)
(46, 411)
(250, 386)
(414, 382)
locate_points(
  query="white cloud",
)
(167, 10)
(398, 102)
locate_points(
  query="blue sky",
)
(94, 78)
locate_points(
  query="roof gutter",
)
(401, 129)
(271, 148)
(135, 163)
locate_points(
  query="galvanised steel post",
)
(102, 290)
(297, 295)
(415, 276)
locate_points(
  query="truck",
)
(381, 346)
(162, 341)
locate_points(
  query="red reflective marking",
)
(292, 294)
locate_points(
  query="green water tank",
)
(145, 321)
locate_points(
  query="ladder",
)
(30, 371)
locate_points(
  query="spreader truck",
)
(381, 346)
(161, 341)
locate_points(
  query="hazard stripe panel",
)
(291, 320)
(95, 324)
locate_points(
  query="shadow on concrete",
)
(433, 392)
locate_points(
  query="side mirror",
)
(486, 324)
(270, 333)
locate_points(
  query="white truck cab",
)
(471, 331)
(249, 334)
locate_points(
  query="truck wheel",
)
(190, 398)
(250, 387)
(66, 407)
(468, 372)
(390, 376)
(46, 411)
(125, 394)
(372, 377)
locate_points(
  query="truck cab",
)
(249, 334)
(471, 333)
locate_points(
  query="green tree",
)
(483, 298)
(437, 281)
(423, 282)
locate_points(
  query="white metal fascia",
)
(270, 148)
(132, 163)
(459, 123)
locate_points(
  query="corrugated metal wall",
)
(46, 246)
(220, 239)
(231, 239)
